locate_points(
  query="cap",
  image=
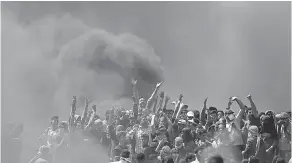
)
(185, 106)
(211, 108)
(229, 112)
(213, 111)
(98, 121)
(190, 114)
(182, 121)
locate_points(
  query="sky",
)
(199, 49)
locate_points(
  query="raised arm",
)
(155, 110)
(85, 111)
(135, 98)
(239, 115)
(72, 113)
(167, 98)
(161, 100)
(203, 112)
(253, 107)
(177, 106)
(135, 91)
(89, 124)
(151, 98)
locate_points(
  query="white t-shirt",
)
(235, 135)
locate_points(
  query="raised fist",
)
(159, 84)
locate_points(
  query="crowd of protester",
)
(149, 132)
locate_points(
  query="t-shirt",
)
(235, 135)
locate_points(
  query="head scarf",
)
(253, 131)
(165, 151)
(176, 140)
(120, 128)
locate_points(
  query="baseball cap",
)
(190, 114)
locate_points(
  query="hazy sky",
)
(207, 49)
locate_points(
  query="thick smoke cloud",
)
(55, 58)
(47, 61)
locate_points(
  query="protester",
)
(150, 132)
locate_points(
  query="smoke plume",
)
(47, 61)
(52, 59)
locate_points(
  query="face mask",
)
(231, 117)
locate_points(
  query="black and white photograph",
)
(146, 82)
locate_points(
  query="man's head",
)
(142, 103)
(269, 113)
(161, 133)
(144, 122)
(145, 139)
(190, 115)
(181, 124)
(229, 115)
(169, 113)
(213, 115)
(178, 142)
(54, 121)
(220, 114)
(283, 118)
(120, 128)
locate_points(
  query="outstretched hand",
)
(229, 102)
(249, 97)
(205, 102)
(180, 97)
(233, 98)
(159, 84)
